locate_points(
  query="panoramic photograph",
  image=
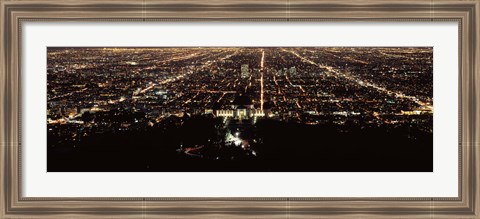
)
(239, 109)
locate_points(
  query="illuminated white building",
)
(240, 113)
(241, 108)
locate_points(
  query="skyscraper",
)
(245, 73)
(293, 71)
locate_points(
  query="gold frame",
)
(14, 12)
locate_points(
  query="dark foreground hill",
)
(282, 147)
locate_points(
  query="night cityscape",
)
(240, 109)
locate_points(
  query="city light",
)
(228, 103)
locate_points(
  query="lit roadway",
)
(68, 94)
(261, 79)
(330, 71)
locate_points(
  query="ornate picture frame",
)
(13, 13)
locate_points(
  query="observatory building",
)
(241, 108)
